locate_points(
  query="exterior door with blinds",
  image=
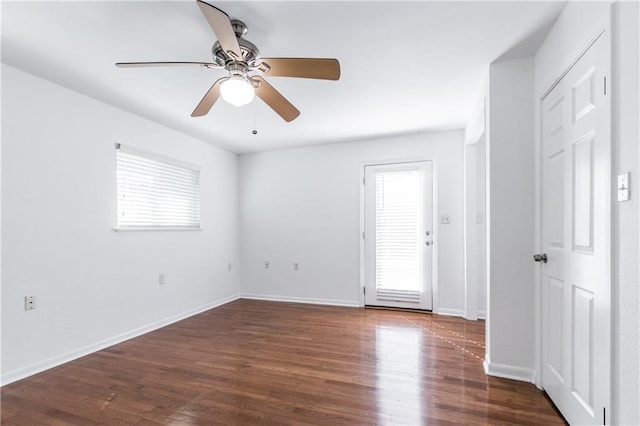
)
(398, 235)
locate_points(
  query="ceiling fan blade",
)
(209, 99)
(221, 26)
(275, 100)
(320, 68)
(167, 64)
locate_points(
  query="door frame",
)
(604, 32)
(434, 195)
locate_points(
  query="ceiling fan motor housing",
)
(250, 51)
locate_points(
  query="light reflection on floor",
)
(399, 379)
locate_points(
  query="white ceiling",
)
(406, 66)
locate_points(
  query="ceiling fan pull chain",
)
(255, 130)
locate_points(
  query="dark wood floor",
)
(255, 362)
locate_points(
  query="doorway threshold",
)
(392, 308)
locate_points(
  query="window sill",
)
(155, 228)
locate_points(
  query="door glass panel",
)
(398, 213)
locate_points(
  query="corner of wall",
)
(509, 372)
(510, 219)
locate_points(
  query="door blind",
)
(154, 192)
(397, 223)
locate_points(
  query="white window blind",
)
(398, 213)
(156, 192)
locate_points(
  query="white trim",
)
(361, 235)
(509, 372)
(307, 300)
(435, 235)
(575, 61)
(537, 239)
(450, 312)
(482, 314)
(57, 360)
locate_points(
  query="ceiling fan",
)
(246, 68)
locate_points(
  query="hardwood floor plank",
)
(255, 362)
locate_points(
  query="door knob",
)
(540, 257)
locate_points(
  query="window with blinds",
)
(398, 212)
(156, 192)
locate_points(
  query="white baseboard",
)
(509, 372)
(57, 360)
(308, 300)
(450, 312)
(459, 313)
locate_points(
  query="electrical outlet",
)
(161, 279)
(267, 264)
(296, 266)
(229, 266)
(29, 303)
(445, 219)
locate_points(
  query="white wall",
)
(626, 215)
(578, 24)
(303, 205)
(95, 286)
(510, 350)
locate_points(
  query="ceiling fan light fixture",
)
(240, 57)
(237, 90)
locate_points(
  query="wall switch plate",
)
(161, 279)
(623, 187)
(29, 303)
(229, 266)
(296, 266)
(445, 219)
(267, 264)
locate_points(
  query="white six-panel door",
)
(575, 238)
(398, 235)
